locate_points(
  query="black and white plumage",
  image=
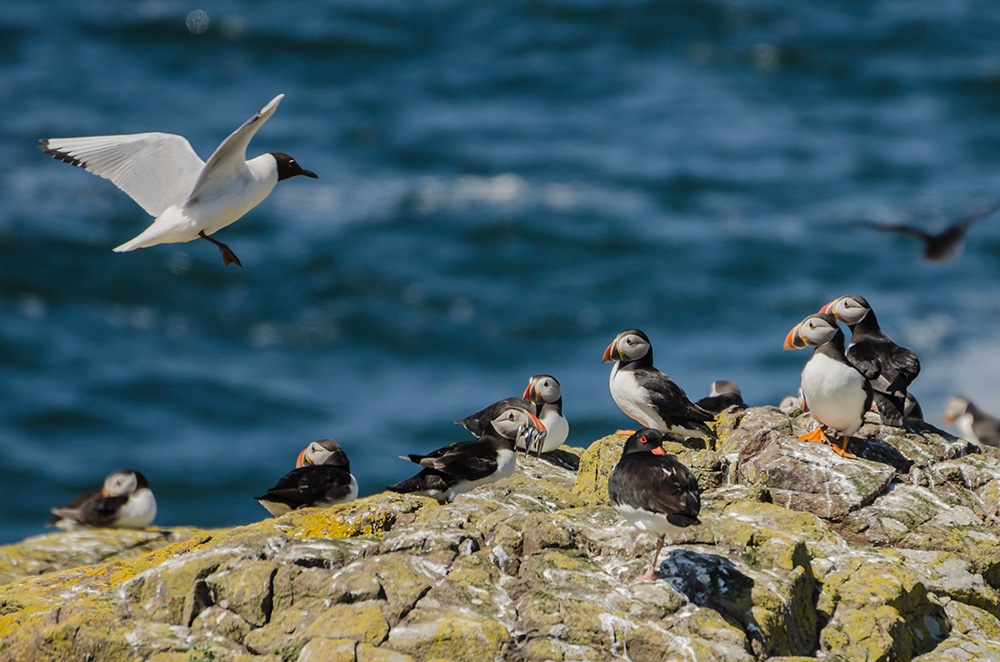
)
(545, 392)
(463, 466)
(890, 368)
(125, 501)
(647, 395)
(834, 393)
(188, 198)
(938, 246)
(723, 395)
(653, 491)
(478, 423)
(974, 423)
(322, 478)
(791, 403)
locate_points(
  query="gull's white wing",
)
(229, 160)
(156, 170)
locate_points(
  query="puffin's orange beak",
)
(610, 352)
(302, 460)
(528, 392)
(538, 423)
(104, 492)
(791, 340)
(658, 451)
(948, 419)
(826, 308)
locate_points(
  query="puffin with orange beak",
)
(463, 466)
(321, 478)
(834, 393)
(545, 392)
(647, 395)
(125, 501)
(890, 368)
(653, 491)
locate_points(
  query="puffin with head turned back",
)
(890, 368)
(653, 491)
(647, 395)
(463, 466)
(835, 394)
(321, 478)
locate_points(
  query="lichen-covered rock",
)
(800, 554)
(49, 553)
(809, 476)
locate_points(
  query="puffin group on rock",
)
(649, 488)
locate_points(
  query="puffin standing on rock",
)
(124, 501)
(463, 466)
(321, 478)
(890, 368)
(653, 491)
(974, 423)
(647, 395)
(545, 393)
(835, 394)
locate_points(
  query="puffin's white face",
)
(848, 309)
(509, 421)
(120, 483)
(811, 332)
(956, 407)
(631, 347)
(545, 387)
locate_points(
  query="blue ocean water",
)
(503, 187)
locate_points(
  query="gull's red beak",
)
(659, 451)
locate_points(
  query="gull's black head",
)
(289, 167)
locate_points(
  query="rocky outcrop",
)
(801, 554)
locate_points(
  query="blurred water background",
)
(503, 187)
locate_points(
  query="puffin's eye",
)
(643, 439)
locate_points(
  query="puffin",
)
(479, 422)
(649, 396)
(125, 501)
(974, 423)
(890, 368)
(938, 246)
(653, 491)
(463, 466)
(321, 478)
(545, 393)
(791, 403)
(723, 395)
(834, 393)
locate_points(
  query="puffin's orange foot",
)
(842, 449)
(815, 435)
(628, 433)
